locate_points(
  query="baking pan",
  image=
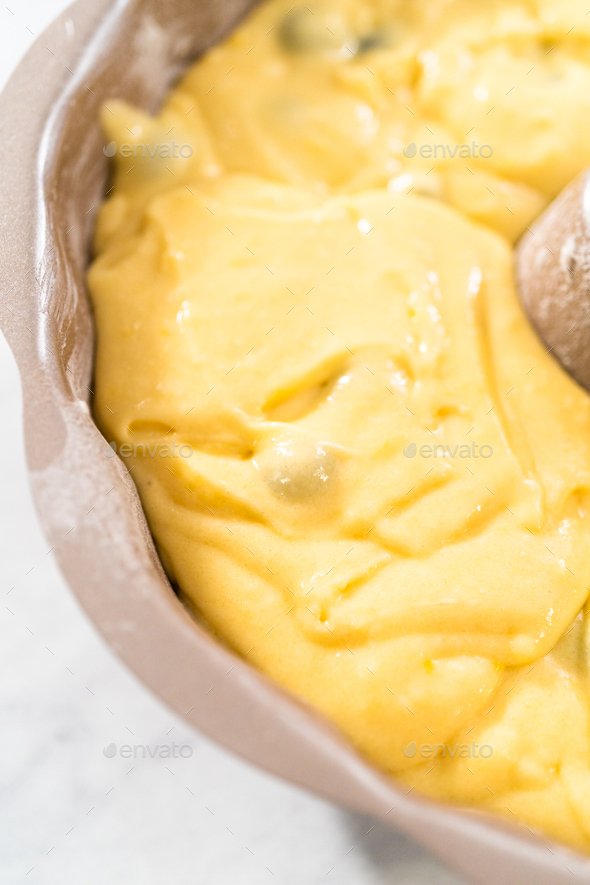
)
(54, 174)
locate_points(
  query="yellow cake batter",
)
(357, 460)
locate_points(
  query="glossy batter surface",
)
(357, 461)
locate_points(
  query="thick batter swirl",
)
(357, 460)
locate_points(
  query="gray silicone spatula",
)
(553, 273)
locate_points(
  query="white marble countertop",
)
(72, 815)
